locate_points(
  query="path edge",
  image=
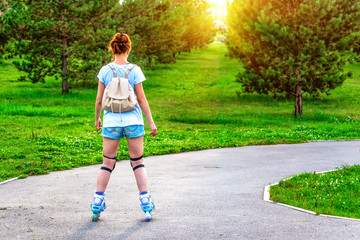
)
(267, 199)
(9, 180)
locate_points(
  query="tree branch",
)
(140, 12)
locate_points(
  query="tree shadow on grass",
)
(267, 100)
(158, 67)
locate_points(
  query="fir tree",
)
(69, 38)
(199, 25)
(163, 28)
(60, 38)
(293, 47)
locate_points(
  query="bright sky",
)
(218, 2)
(219, 9)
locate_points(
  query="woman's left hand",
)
(98, 124)
(153, 129)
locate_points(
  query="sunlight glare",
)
(218, 8)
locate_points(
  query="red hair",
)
(120, 43)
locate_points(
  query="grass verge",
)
(332, 193)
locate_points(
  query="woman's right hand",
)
(98, 124)
(153, 129)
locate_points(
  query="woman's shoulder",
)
(131, 67)
(136, 74)
(124, 67)
(104, 69)
(135, 67)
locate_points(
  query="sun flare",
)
(218, 8)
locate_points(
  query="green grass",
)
(332, 193)
(194, 104)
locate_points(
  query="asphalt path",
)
(210, 194)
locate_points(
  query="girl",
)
(130, 125)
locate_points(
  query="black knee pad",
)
(108, 169)
(136, 159)
(138, 166)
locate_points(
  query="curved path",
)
(211, 194)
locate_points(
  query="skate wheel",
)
(148, 216)
(95, 217)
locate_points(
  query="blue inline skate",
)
(147, 205)
(97, 206)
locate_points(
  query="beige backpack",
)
(119, 96)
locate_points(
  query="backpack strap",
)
(113, 70)
(127, 72)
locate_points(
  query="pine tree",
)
(161, 29)
(3, 35)
(60, 38)
(5, 30)
(69, 38)
(292, 47)
(199, 24)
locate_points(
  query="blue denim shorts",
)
(132, 131)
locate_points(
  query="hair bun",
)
(120, 43)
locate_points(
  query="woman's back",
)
(135, 76)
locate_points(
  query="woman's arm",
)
(98, 105)
(139, 91)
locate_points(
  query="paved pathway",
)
(211, 194)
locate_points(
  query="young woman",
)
(129, 124)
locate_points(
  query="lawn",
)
(332, 193)
(195, 106)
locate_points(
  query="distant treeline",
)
(69, 39)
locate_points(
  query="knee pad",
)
(108, 169)
(136, 159)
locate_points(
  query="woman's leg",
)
(135, 146)
(110, 147)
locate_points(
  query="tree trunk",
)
(298, 94)
(298, 101)
(65, 87)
